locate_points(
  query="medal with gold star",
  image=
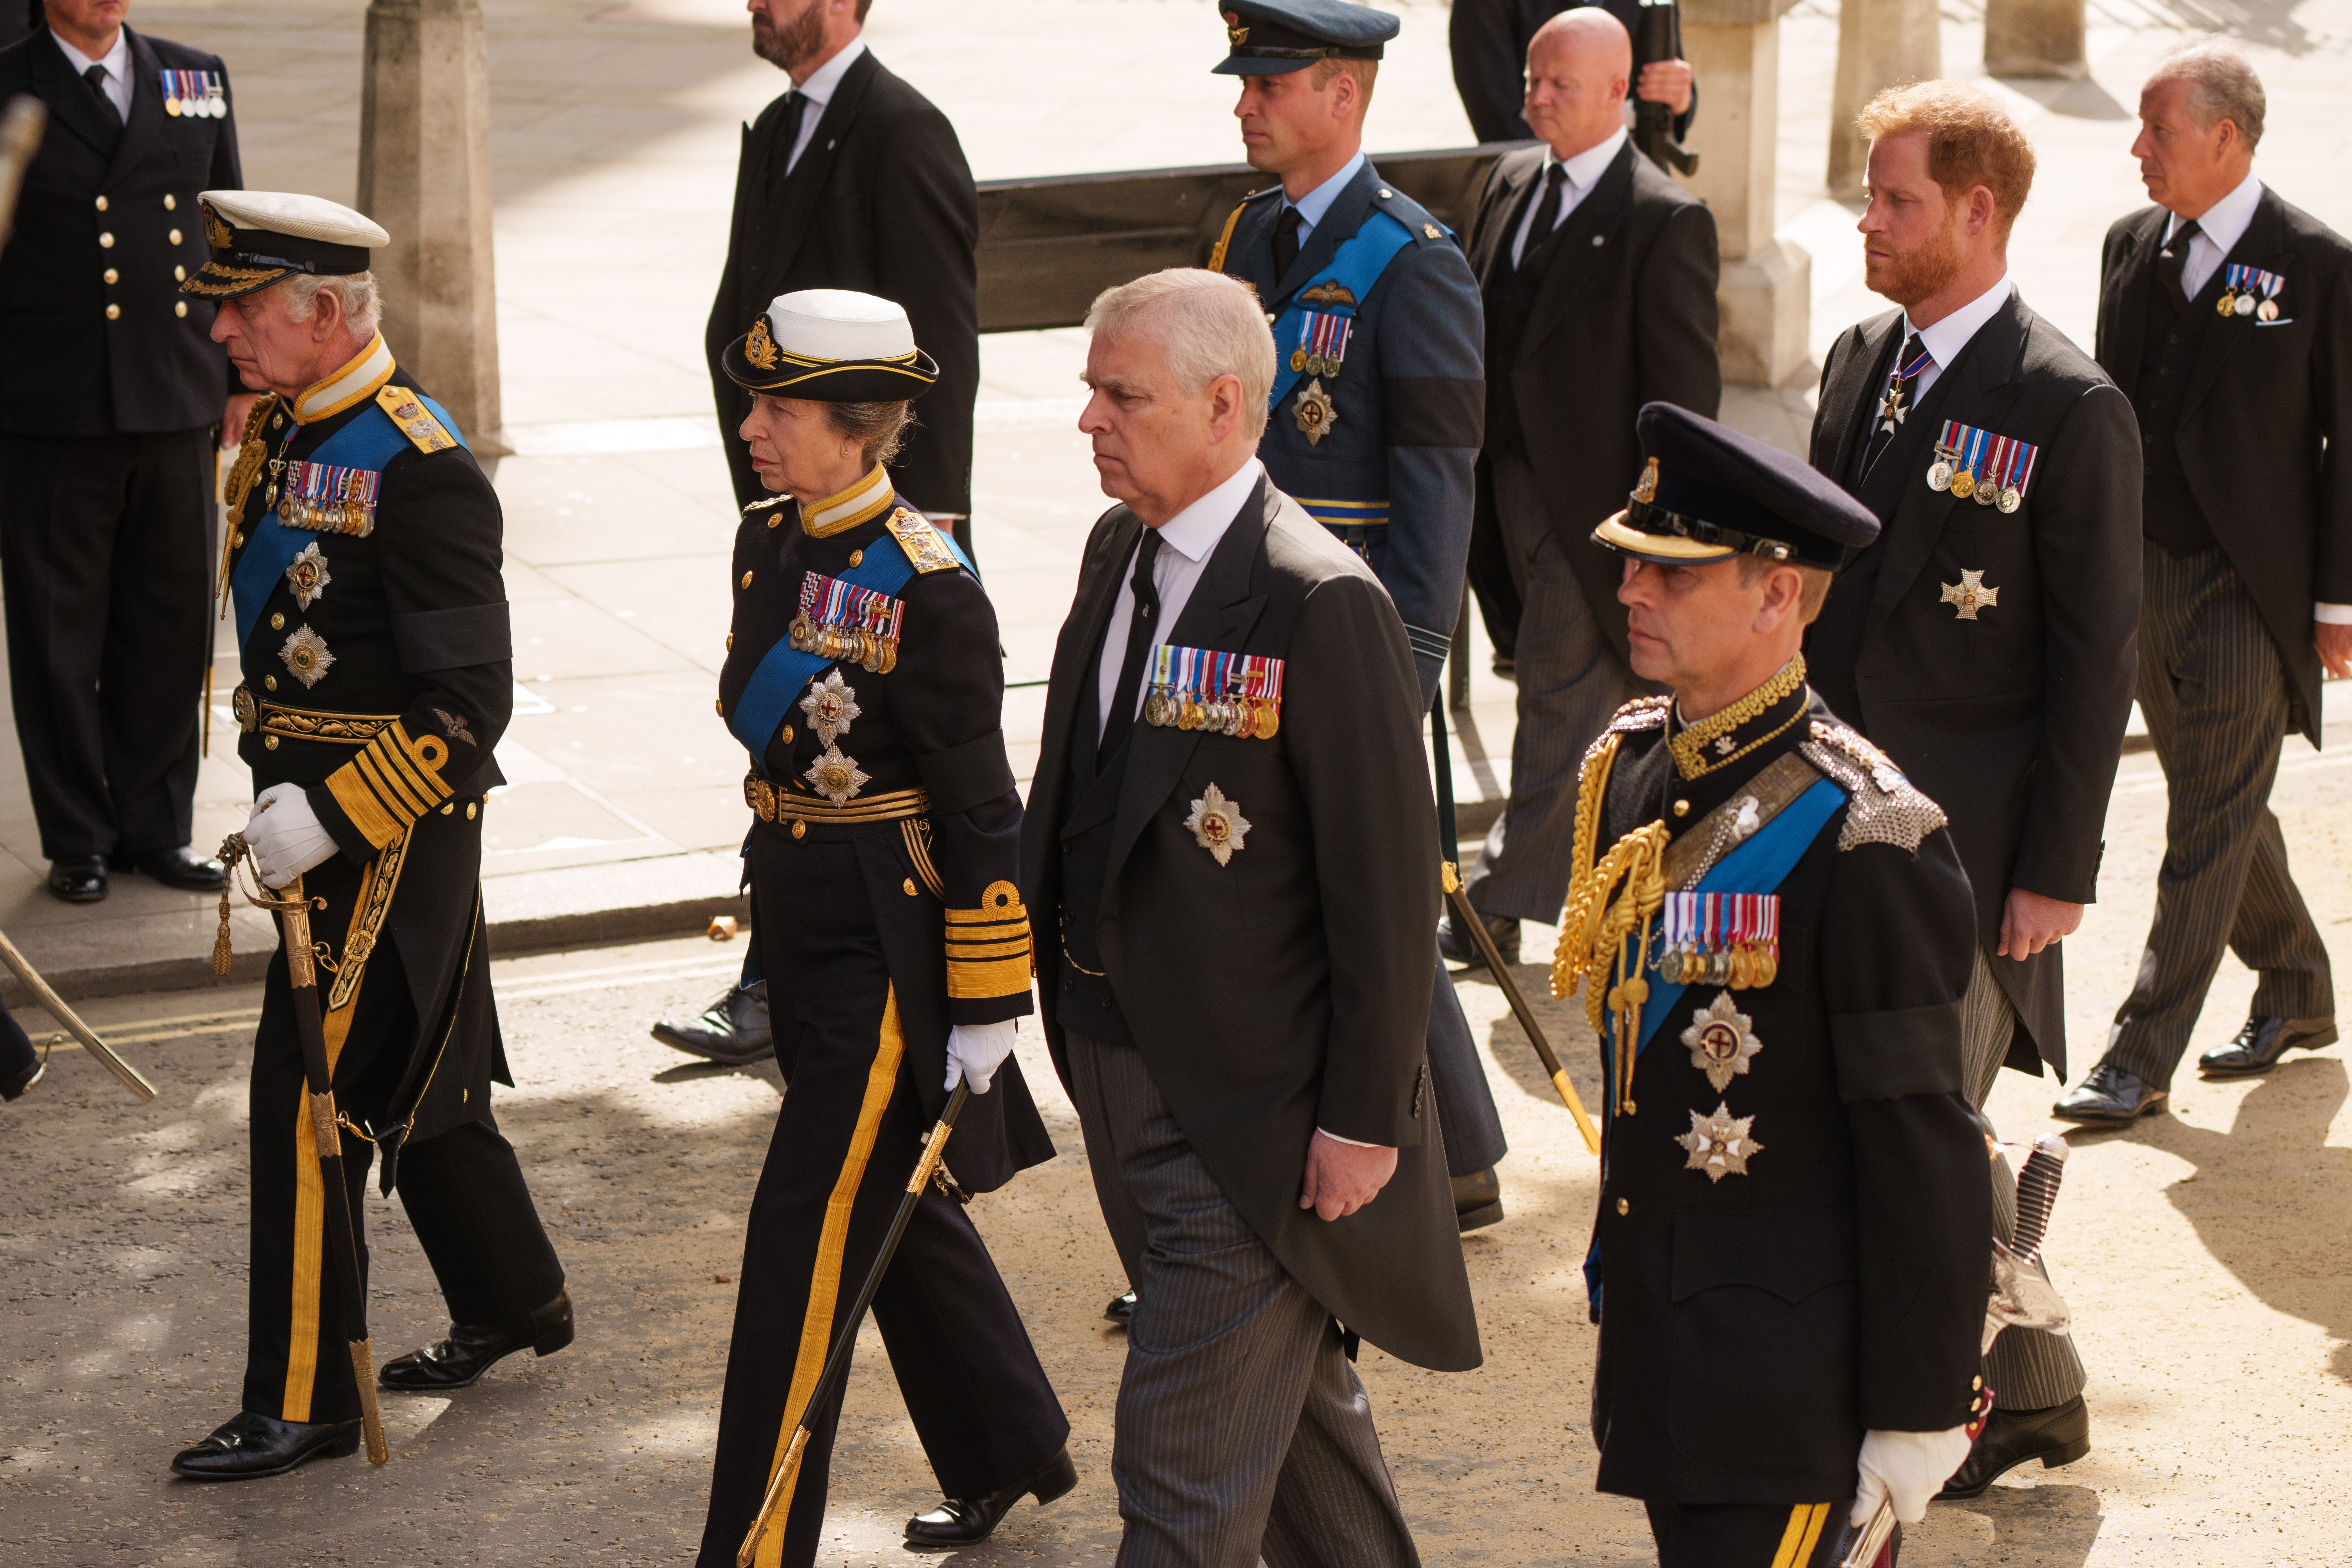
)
(1217, 825)
(1719, 1144)
(1313, 412)
(1969, 595)
(1721, 1038)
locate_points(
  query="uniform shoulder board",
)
(408, 410)
(1882, 806)
(1642, 713)
(772, 501)
(1408, 212)
(921, 542)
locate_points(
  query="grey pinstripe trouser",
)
(2029, 1369)
(2215, 695)
(1242, 1430)
(1570, 680)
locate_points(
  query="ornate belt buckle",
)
(759, 798)
(248, 712)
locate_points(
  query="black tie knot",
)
(1287, 229)
(2172, 261)
(1545, 218)
(96, 77)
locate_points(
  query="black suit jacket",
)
(1489, 40)
(1625, 315)
(2264, 421)
(2013, 721)
(882, 201)
(1289, 989)
(68, 369)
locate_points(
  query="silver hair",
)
(1207, 323)
(362, 301)
(2221, 86)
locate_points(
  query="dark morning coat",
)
(1754, 1328)
(1288, 989)
(881, 201)
(2264, 422)
(1625, 315)
(2013, 721)
(1489, 40)
(67, 368)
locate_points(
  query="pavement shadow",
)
(1565, 1030)
(2271, 1199)
(2081, 99)
(2267, 22)
(2047, 1526)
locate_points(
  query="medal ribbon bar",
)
(840, 620)
(325, 499)
(1731, 940)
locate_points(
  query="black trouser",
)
(105, 547)
(1732, 1536)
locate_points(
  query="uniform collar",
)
(864, 501)
(1724, 738)
(362, 378)
(1317, 202)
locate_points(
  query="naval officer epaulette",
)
(1882, 806)
(771, 504)
(404, 408)
(926, 551)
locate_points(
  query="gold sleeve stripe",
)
(376, 824)
(973, 951)
(980, 982)
(994, 931)
(383, 778)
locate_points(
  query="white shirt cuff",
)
(1351, 1143)
(2332, 614)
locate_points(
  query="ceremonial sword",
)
(133, 1079)
(837, 1362)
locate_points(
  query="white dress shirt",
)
(1945, 340)
(1579, 175)
(1186, 540)
(2218, 232)
(1317, 202)
(819, 90)
(118, 69)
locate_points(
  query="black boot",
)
(250, 1445)
(1477, 1199)
(967, 1521)
(732, 1030)
(472, 1349)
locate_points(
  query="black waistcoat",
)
(1089, 817)
(2169, 514)
(1509, 303)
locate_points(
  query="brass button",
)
(857, 558)
(800, 829)
(102, 204)
(179, 274)
(1386, 193)
(909, 885)
(774, 519)
(747, 580)
(1623, 1207)
(110, 274)
(730, 642)
(721, 705)
(239, 542)
(269, 682)
(179, 307)
(786, 737)
(105, 241)
(1682, 808)
(175, 237)
(1975, 1384)
(171, 203)
(470, 809)
(449, 808)
(277, 622)
(113, 312)
(269, 743)
(277, 420)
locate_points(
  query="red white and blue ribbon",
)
(828, 602)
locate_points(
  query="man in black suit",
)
(852, 180)
(1490, 39)
(2227, 314)
(1227, 859)
(1598, 275)
(110, 396)
(1986, 642)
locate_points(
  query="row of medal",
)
(841, 620)
(1234, 694)
(1322, 343)
(1732, 940)
(1970, 462)
(325, 498)
(196, 94)
(2250, 291)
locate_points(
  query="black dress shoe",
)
(1477, 1199)
(250, 1445)
(180, 867)
(2110, 1097)
(78, 878)
(967, 1521)
(1121, 1310)
(2058, 1436)
(13, 1084)
(1460, 947)
(2261, 1044)
(1506, 667)
(733, 1029)
(471, 1350)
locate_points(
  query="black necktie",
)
(1893, 403)
(96, 77)
(2172, 259)
(1546, 216)
(1140, 635)
(1286, 240)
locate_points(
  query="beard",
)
(792, 46)
(1909, 278)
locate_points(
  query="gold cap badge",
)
(1647, 490)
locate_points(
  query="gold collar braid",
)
(1689, 747)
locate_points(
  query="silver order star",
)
(306, 655)
(830, 705)
(836, 778)
(1721, 1038)
(1217, 825)
(308, 575)
(1719, 1144)
(1969, 595)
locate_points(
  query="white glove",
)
(1908, 1466)
(284, 836)
(975, 1051)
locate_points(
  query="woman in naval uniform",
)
(863, 679)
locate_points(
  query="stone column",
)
(425, 174)
(2035, 37)
(1881, 44)
(1734, 48)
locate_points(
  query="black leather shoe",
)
(1459, 947)
(2058, 1436)
(1477, 1199)
(471, 1350)
(2110, 1097)
(733, 1029)
(967, 1521)
(78, 878)
(1121, 1310)
(13, 1084)
(180, 867)
(250, 1445)
(1506, 666)
(2261, 1044)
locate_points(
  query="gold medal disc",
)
(1964, 484)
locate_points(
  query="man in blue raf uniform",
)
(862, 678)
(1379, 394)
(1788, 1267)
(364, 553)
